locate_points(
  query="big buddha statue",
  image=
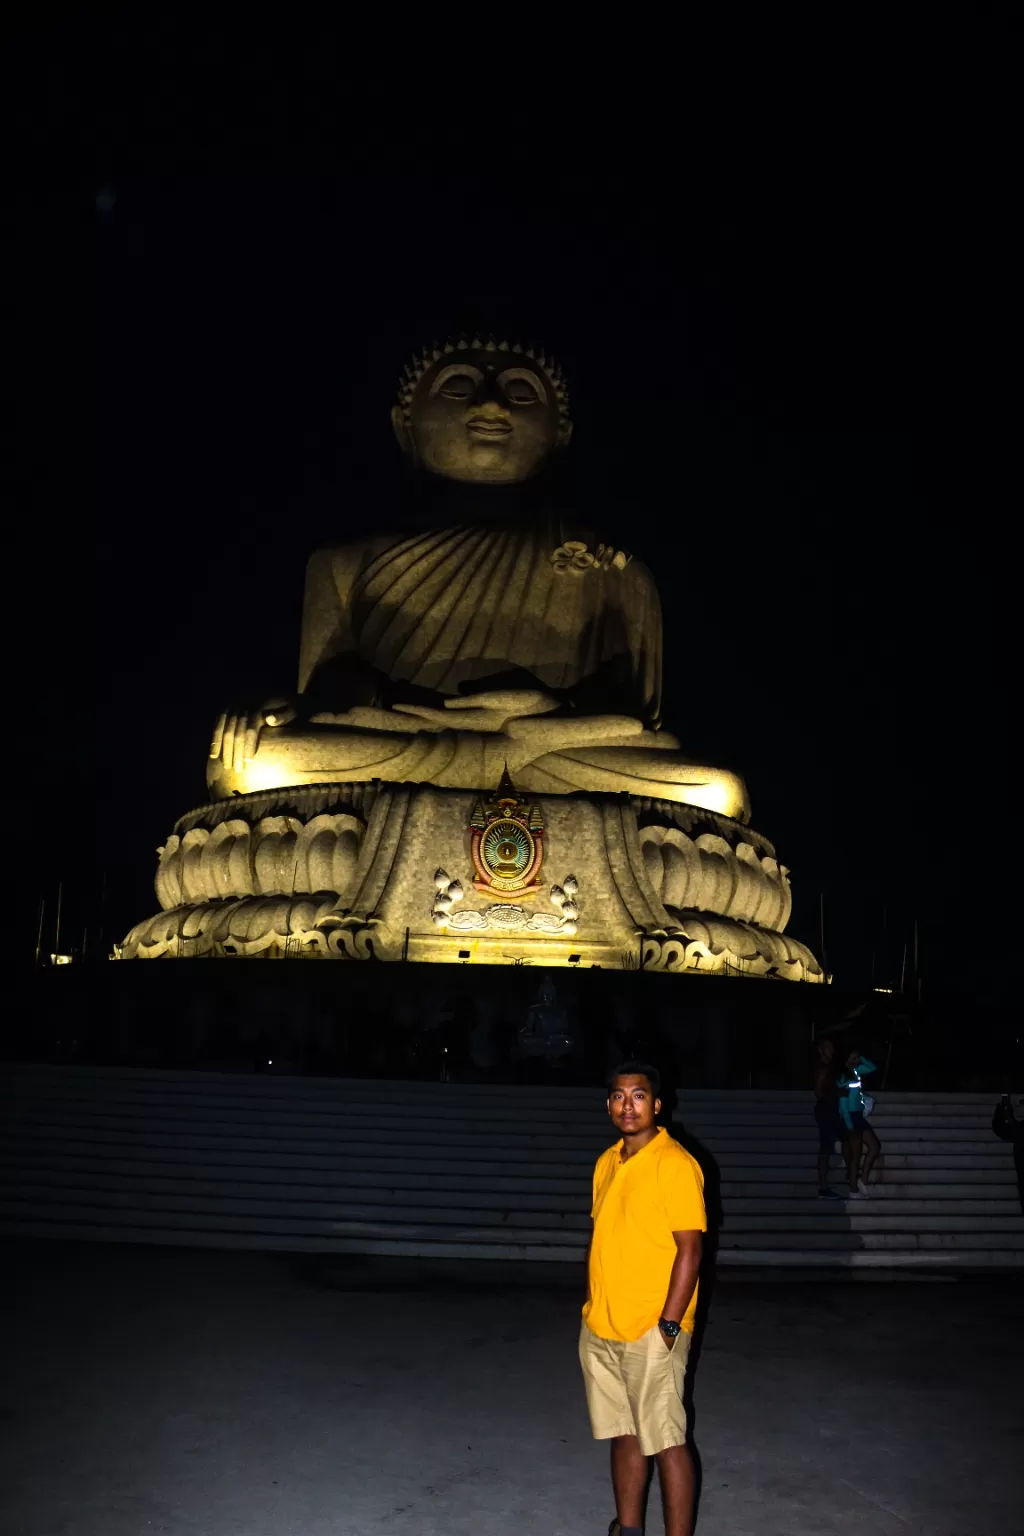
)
(498, 634)
(478, 683)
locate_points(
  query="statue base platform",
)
(394, 872)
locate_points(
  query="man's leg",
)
(823, 1158)
(678, 1489)
(629, 1478)
(872, 1147)
(611, 1419)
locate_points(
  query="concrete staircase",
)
(946, 1195)
(467, 1171)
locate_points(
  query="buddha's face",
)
(483, 416)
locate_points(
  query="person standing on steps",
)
(642, 1267)
(826, 1115)
(1008, 1128)
(855, 1106)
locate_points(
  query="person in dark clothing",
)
(826, 1116)
(1008, 1128)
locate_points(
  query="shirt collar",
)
(656, 1140)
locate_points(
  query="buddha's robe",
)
(443, 657)
(458, 607)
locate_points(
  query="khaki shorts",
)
(636, 1388)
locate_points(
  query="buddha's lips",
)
(487, 427)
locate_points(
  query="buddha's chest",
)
(470, 593)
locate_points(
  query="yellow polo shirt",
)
(638, 1204)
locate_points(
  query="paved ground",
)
(206, 1394)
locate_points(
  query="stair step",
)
(779, 1142)
(950, 1160)
(895, 1240)
(39, 1199)
(931, 1119)
(454, 1116)
(364, 1243)
(240, 1131)
(572, 1191)
(804, 1258)
(111, 1217)
(57, 1170)
(858, 1218)
(895, 1205)
(912, 1185)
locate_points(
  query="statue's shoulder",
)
(354, 551)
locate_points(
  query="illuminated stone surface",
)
(503, 644)
(346, 871)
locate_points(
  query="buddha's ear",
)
(564, 433)
(402, 432)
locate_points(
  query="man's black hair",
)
(637, 1069)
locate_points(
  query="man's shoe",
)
(828, 1193)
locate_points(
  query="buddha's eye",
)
(521, 392)
(458, 386)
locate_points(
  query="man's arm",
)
(683, 1279)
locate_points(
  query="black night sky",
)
(753, 377)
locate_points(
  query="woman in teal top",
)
(853, 1112)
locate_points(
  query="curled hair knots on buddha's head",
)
(425, 359)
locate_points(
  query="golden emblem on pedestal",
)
(508, 844)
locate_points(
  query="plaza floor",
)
(194, 1393)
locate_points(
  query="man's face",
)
(632, 1105)
(490, 417)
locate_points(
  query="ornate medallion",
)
(508, 835)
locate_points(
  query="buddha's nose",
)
(489, 397)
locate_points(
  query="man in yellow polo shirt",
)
(645, 1254)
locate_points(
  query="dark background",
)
(774, 380)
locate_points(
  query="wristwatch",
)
(669, 1329)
